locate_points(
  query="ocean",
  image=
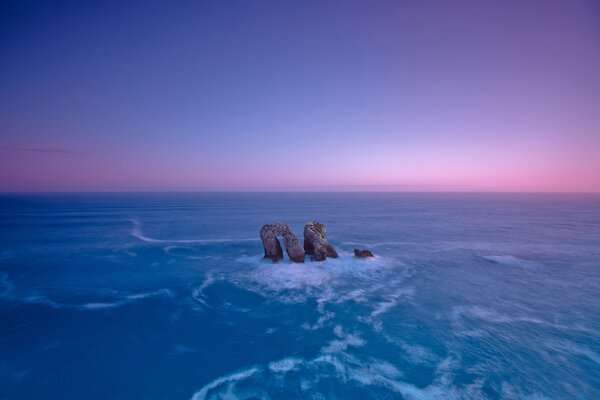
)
(166, 296)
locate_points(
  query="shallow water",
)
(166, 297)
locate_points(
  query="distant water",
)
(166, 297)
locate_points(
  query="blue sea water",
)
(165, 296)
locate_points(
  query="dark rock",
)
(273, 250)
(315, 242)
(363, 253)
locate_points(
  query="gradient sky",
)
(300, 95)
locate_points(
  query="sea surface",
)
(166, 296)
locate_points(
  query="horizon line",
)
(42, 192)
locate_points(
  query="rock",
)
(315, 242)
(363, 253)
(271, 245)
(273, 250)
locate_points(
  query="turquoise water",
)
(156, 296)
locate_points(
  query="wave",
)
(138, 233)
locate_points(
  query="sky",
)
(400, 95)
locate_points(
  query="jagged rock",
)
(273, 250)
(315, 242)
(363, 253)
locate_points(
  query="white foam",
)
(392, 300)
(156, 293)
(418, 354)
(344, 341)
(327, 280)
(346, 368)
(236, 376)
(126, 299)
(285, 365)
(198, 293)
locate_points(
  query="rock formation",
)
(315, 242)
(273, 250)
(363, 253)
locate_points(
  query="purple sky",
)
(300, 95)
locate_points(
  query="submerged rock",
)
(272, 247)
(363, 253)
(315, 241)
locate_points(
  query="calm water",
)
(166, 297)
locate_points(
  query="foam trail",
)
(100, 305)
(198, 293)
(126, 300)
(138, 233)
(237, 376)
